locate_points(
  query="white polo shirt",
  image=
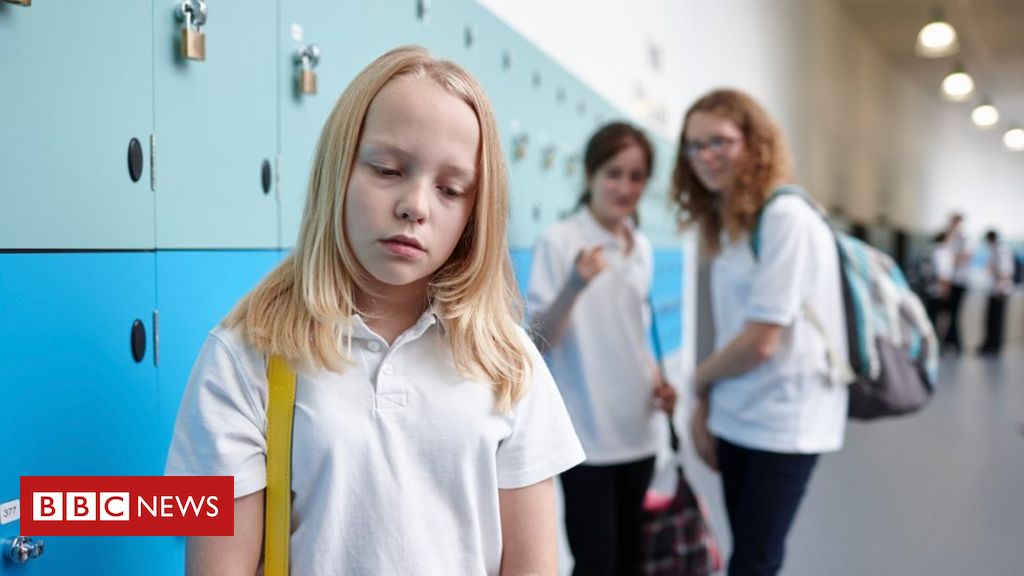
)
(396, 462)
(786, 404)
(601, 364)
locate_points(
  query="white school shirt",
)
(788, 403)
(961, 264)
(602, 363)
(1000, 266)
(941, 261)
(396, 462)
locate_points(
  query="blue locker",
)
(194, 291)
(78, 88)
(77, 403)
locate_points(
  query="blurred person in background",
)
(588, 303)
(956, 240)
(1000, 268)
(768, 402)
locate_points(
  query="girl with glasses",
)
(766, 403)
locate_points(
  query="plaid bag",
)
(677, 537)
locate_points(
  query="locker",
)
(195, 291)
(342, 55)
(76, 93)
(76, 401)
(216, 128)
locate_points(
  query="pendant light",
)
(1014, 139)
(985, 115)
(937, 38)
(958, 85)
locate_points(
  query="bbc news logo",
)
(127, 506)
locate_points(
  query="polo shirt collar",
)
(598, 234)
(429, 317)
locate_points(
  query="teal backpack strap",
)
(785, 190)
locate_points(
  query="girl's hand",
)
(590, 263)
(703, 441)
(664, 396)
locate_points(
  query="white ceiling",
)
(991, 34)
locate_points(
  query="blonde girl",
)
(426, 427)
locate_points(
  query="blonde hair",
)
(302, 310)
(765, 165)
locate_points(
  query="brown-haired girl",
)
(588, 299)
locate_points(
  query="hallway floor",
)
(938, 493)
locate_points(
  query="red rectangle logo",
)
(127, 506)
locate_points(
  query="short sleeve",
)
(221, 421)
(548, 273)
(783, 262)
(543, 442)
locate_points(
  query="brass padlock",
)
(307, 82)
(193, 40)
(193, 44)
(572, 163)
(519, 144)
(549, 157)
(307, 57)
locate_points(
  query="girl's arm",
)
(755, 344)
(528, 530)
(229, 555)
(549, 326)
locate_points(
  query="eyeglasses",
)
(717, 145)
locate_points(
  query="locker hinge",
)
(277, 177)
(156, 338)
(152, 162)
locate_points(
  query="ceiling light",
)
(936, 39)
(985, 115)
(1014, 139)
(958, 86)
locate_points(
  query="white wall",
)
(866, 138)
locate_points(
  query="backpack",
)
(892, 346)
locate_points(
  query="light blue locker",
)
(337, 29)
(77, 403)
(216, 128)
(393, 23)
(78, 87)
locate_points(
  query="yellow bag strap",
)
(277, 509)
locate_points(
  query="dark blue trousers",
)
(603, 514)
(762, 492)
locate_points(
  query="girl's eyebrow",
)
(387, 147)
(448, 169)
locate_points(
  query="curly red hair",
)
(765, 165)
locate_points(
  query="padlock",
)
(307, 82)
(308, 57)
(193, 40)
(549, 157)
(519, 144)
(571, 165)
(193, 44)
